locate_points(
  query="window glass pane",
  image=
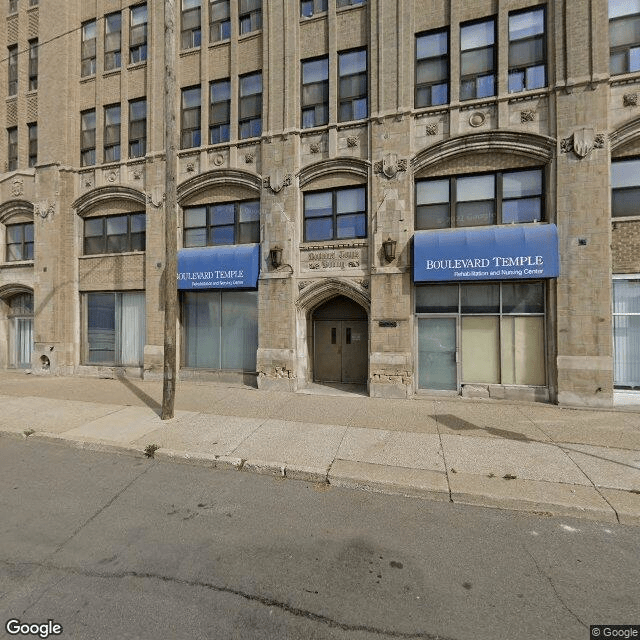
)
(28, 232)
(201, 326)
(432, 191)
(116, 225)
(352, 62)
(433, 216)
(220, 91)
(434, 44)
(190, 4)
(475, 62)
(351, 226)
(195, 237)
(439, 94)
(618, 63)
(222, 213)
(437, 298)
(625, 173)
(350, 200)
(222, 235)
(359, 109)
(624, 32)
(480, 298)
(634, 59)
(522, 346)
(471, 214)
(196, 217)
(93, 245)
(318, 204)
(619, 8)
(536, 77)
(137, 222)
(523, 25)
(318, 229)
(239, 330)
(476, 188)
(219, 11)
(625, 202)
(250, 85)
(92, 227)
(520, 184)
(437, 353)
(522, 297)
(526, 53)
(14, 252)
(101, 327)
(315, 70)
(522, 210)
(249, 232)
(626, 296)
(431, 70)
(626, 339)
(14, 233)
(480, 348)
(476, 35)
(138, 110)
(132, 329)
(117, 244)
(485, 86)
(249, 211)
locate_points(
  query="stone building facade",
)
(340, 162)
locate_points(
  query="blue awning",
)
(495, 253)
(229, 267)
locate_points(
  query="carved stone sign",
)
(582, 142)
(341, 258)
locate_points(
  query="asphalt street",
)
(114, 546)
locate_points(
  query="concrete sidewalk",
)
(523, 456)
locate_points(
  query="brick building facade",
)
(339, 162)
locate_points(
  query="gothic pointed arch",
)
(322, 291)
(531, 146)
(103, 195)
(216, 178)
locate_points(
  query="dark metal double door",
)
(341, 351)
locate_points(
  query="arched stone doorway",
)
(340, 342)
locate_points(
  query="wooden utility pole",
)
(170, 208)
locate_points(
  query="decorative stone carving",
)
(191, 167)
(314, 147)
(44, 209)
(390, 165)
(249, 158)
(477, 119)
(630, 100)
(17, 187)
(582, 142)
(528, 115)
(156, 198)
(137, 174)
(218, 160)
(112, 176)
(364, 284)
(88, 182)
(431, 129)
(302, 284)
(352, 141)
(277, 180)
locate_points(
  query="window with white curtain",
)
(626, 333)
(114, 328)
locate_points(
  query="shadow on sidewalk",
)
(139, 393)
(458, 424)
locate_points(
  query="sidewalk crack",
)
(444, 457)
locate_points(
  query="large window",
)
(352, 87)
(349, 3)
(190, 34)
(219, 111)
(137, 128)
(432, 68)
(112, 41)
(12, 70)
(12, 148)
(220, 330)
(190, 135)
(250, 13)
(335, 214)
(626, 333)
(88, 138)
(527, 68)
(112, 133)
(219, 20)
(315, 92)
(20, 241)
(114, 234)
(32, 128)
(624, 36)
(33, 65)
(250, 122)
(223, 223)
(138, 34)
(88, 53)
(114, 328)
(625, 188)
(497, 328)
(309, 8)
(483, 199)
(477, 60)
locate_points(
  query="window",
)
(112, 41)
(527, 69)
(219, 111)
(20, 241)
(500, 327)
(220, 21)
(626, 333)
(88, 138)
(12, 148)
(138, 34)
(336, 214)
(250, 15)
(191, 34)
(190, 127)
(88, 63)
(13, 70)
(114, 329)
(315, 92)
(477, 60)
(432, 69)
(13, 6)
(223, 223)
(220, 329)
(352, 88)
(309, 8)
(114, 234)
(625, 188)
(250, 122)
(33, 65)
(137, 128)
(112, 133)
(349, 3)
(33, 143)
(20, 320)
(482, 199)
(624, 36)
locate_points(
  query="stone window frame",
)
(219, 24)
(191, 24)
(113, 41)
(246, 228)
(12, 148)
(217, 124)
(138, 34)
(88, 49)
(498, 197)
(314, 105)
(190, 132)
(630, 189)
(429, 85)
(350, 100)
(133, 238)
(334, 213)
(12, 213)
(623, 49)
(32, 128)
(33, 64)
(249, 16)
(12, 70)
(87, 139)
(250, 107)
(137, 143)
(542, 62)
(112, 133)
(474, 77)
(313, 7)
(24, 246)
